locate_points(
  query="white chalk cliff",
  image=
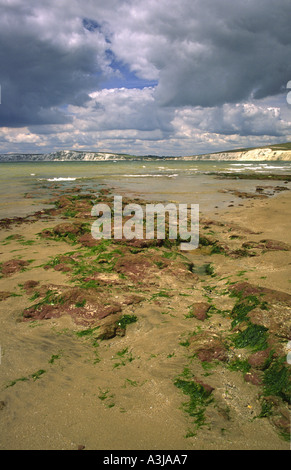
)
(280, 152)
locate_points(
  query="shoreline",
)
(103, 342)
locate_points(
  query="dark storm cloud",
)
(45, 64)
(228, 51)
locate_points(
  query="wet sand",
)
(71, 378)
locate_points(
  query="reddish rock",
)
(67, 228)
(64, 201)
(245, 289)
(275, 245)
(143, 243)
(259, 359)
(83, 305)
(283, 424)
(62, 267)
(208, 388)
(200, 309)
(12, 266)
(253, 378)
(105, 191)
(88, 240)
(251, 244)
(30, 285)
(107, 310)
(217, 353)
(138, 243)
(46, 233)
(135, 266)
(208, 346)
(267, 245)
(133, 299)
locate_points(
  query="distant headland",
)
(277, 152)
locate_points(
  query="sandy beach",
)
(139, 346)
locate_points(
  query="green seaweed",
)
(242, 308)
(277, 380)
(254, 337)
(266, 409)
(50, 298)
(209, 270)
(106, 398)
(36, 375)
(162, 293)
(54, 358)
(199, 399)
(87, 332)
(217, 249)
(126, 320)
(70, 213)
(239, 365)
(124, 356)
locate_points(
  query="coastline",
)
(102, 343)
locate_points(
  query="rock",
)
(212, 353)
(62, 267)
(251, 244)
(64, 201)
(12, 266)
(273, 313)
(243, 194)
(259, 359)
(67, 228)
(199, 310)
(245, 289)
(281, 188)
(85, 306)
(208, 388)
(133, 299)
(4, 295)
(88, 240)
(282, 423)
(267, 245)
(109, 310)
(208, 346)
(46, 233)
(240, 253)
(277, 319)
(30, 285)
(110, 330)
(253, 378)
(136, 266)
(275, 245)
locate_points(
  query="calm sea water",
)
(178, 181)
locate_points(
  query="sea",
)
(25, 187)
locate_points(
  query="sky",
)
(159, 77)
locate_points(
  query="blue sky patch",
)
(124, 77)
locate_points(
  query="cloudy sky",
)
(167, 77)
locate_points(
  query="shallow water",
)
(63, 409)
(193, 182)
